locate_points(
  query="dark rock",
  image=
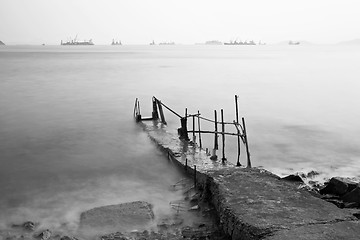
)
(338, 186)
(44, 235)
(329, 196)
(194, 199)
(113, 236)
(338, 203)
(194, 208)
(315, 185)
(353, 196)
(351, 205)
(167, 223)
(293, 178)
(312, 174)
(196, 233)
(68, 238)
(121, 217)
(29, 226)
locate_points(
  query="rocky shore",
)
(253, 203)
(133, 221)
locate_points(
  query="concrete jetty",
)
(253, 203)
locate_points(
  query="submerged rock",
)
(28, 226)
(125, 216)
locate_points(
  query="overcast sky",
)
(181, 21)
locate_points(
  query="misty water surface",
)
(68, 141)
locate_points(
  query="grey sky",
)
(181, 21)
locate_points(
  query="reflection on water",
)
(68, 141)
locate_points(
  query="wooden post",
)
(223, 136)
(199, 129)
(216, 147)
(155, 114)
(137, 113)
(246, 145)
(138, 108)
(135, 110)
(186, 164)
(183, 129)
(238, 164)
(161, 112)
(194, 137)
(194, 176)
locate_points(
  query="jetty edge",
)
(252, 203)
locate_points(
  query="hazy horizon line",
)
(303, 42)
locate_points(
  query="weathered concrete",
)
(253, 203)
(120, 217)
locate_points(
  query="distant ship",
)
(152, 43)
(116, 42)
(76, 42)
(167, 43)
(293, 43)
(240, 43)
(213, 42)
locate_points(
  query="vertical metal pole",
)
(246, 145)
(238, 137)
(199, 129)
(223, 136)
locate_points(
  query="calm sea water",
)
(68, 141)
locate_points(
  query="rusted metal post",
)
(161, 112)
(216, 147)
(155, 114)
(223, 135)
(199, 129)
(246, 145)
(238, 164)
